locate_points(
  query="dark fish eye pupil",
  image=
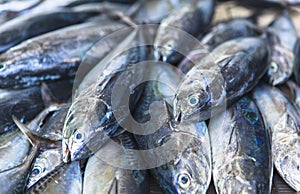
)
(184, 179)
(193, 100)
(35, 171)
(2, 66)
(78, 136)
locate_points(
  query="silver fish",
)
(241, 150)
(102, 177)
(65, 178)
(45, 162)
(14, 149)
(229, 30)
(180, 153)
(282, 36)
(90, 121)
(188, 20)
(283, 119)
(51, 56)
(212, 83)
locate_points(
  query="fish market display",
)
(149, 97)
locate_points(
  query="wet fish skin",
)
(283, 119)
(50, 121)
(25, 104)
(241, 150)
(83, 137)
(65, 178)
(229, 30)
(212, 83)
(191, 18)
(297, 61)
(44, 163)
(102, 177)
(282, 36)
(20, 28)
(52, 56)
(189, 169)
(13, 142)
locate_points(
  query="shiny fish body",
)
(52, 56)
(90, 120)
(212, 83)
(49, 123)
(65, 178)
(101, 177)
(282, 36)
(297, 61)
(21, 28)
(283, 119)
(44, 163)
(13, 142)
(24, 104)
(189, 169)
(241, 150)
(229, 30)
(161, 8)
(192, 18)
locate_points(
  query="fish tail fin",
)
(34, 139)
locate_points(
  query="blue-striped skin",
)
(241, 150)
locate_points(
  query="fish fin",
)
(26, 131)
(47, 96)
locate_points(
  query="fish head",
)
(44, 163)
(83, 128)
(195, 94)
(279, 69)
(190, 170)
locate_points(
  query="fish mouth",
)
(67, 154)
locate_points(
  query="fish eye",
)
(273, 67)
(193, 100)
(79, 136)
(184, 180)
(2, 66)
(37, 170)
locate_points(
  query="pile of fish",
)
(124, 96)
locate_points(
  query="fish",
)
(19, 29)
(178, 154)
(228, 30)
(292, 91)
(24, 103)
(297, 62)
(91, 119)
(212, 83)
(65, 178)
(282, 117)
(161, 9)
(13, 180)
(13, 142)
(52, 56)
(45, 162)
(175, 35)
(282, 37)
(241, 150)
(49, 123)
(101, 176)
